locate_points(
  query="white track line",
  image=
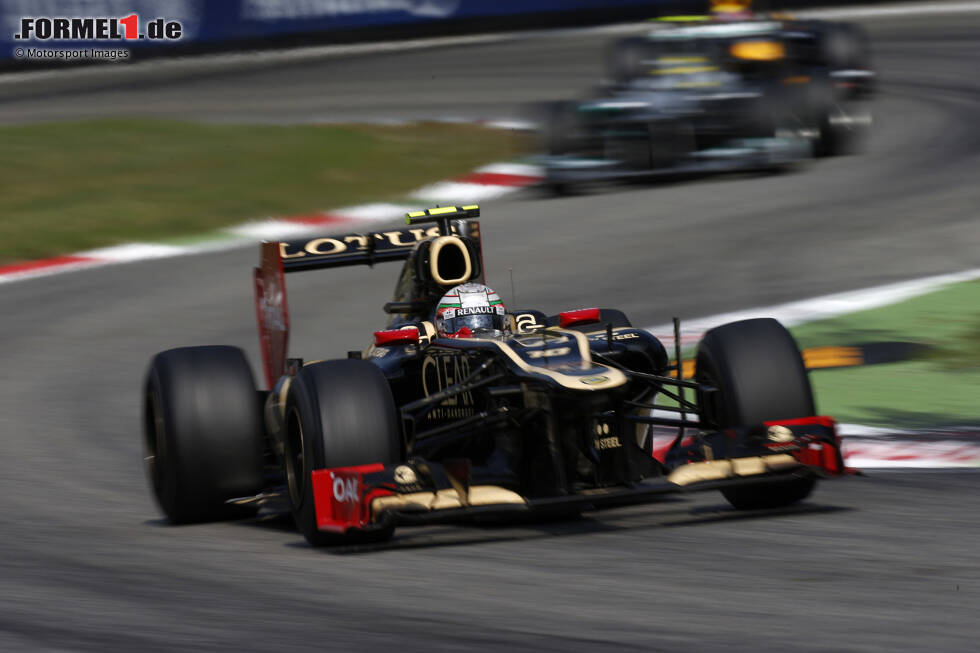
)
(134, 252)
(819, 308)
(457, 192)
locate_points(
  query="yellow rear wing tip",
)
(681, 19)
(443, 213)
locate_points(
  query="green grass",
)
(939, 389)
(73, 186)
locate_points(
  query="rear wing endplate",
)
(279, 258)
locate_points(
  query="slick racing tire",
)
(844, 46)
(562, 133)
(760, 376)
(202, 432)
(670, 141)
(843, 128)
(562, 130)
(339, 413)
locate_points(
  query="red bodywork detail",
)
(396, 337)
(813, 452)
(272, 312)
(581, 316)
(342, 500)
(820, 420)
(823, 455)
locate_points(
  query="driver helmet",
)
(731, 9)
(471, 310)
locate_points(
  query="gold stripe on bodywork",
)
(614, 378)
(479, 495)
(717, 470)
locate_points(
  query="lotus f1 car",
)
(700, 96)
(555, 416)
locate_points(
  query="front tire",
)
(339, 413)
(202, 432)
(759, 374)
(843, 128)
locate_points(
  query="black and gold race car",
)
(553, 415)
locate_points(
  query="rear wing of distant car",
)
(278, 258)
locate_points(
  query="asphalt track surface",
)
(877, 563)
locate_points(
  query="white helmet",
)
(471, 310)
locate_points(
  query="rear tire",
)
(759, 374)
(339, 413)
(562, 133)
(202, 432)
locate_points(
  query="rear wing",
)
(379, 246)
(278, 258)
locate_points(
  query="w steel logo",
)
(126, 28)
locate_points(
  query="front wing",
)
(368, 497)
(744, 154)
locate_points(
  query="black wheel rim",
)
(156, 455)
(295, 458)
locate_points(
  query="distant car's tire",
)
(843, 128)
(668, 143)
(562, 131)
(202, 432)
(339, 413)
(845, 46)
(759, 374)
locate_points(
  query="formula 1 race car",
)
(550, 414)
(699, 96)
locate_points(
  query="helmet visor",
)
(481, 320)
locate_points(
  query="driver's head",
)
(471, 310)
(731, 9)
